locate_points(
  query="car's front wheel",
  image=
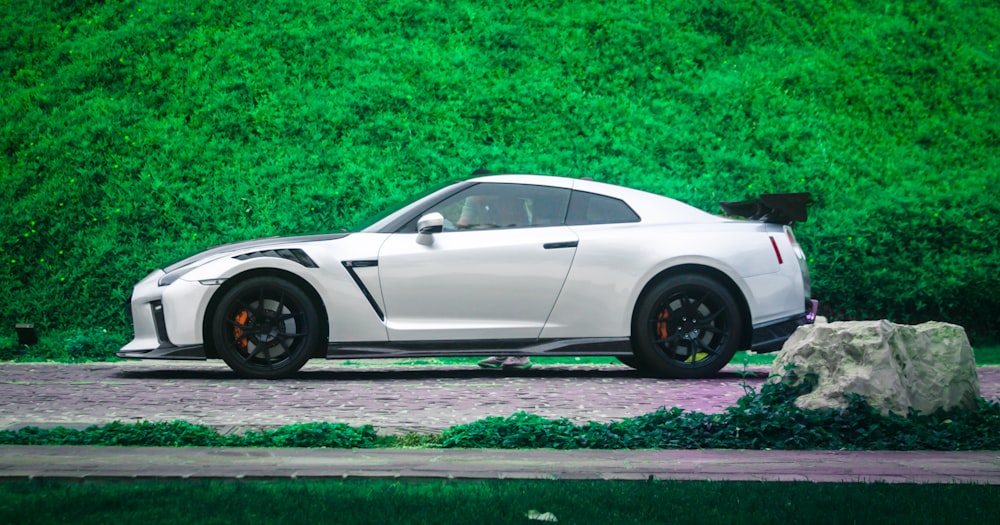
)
(686, 326)
(265, 327)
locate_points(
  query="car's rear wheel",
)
(265, 327)
(686, 326)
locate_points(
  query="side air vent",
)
(295, 255)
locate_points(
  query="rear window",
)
(590, 208)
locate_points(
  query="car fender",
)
(604, 286)
(349, 315)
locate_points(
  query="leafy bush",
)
(326, 435)
(184, 434)
(132, 134)
(143, 433)
(765, 420)
(93, 345)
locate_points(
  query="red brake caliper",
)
(241, 319)
(661, 325)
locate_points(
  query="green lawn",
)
(464, 502)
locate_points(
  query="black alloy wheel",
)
(265, 327)
(687, 326)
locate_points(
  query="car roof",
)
(651, 207)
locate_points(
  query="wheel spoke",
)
(677, 355)
(252, 355)
(704, 347)
(710, 318)
(281, 304)
(290, 315)
(715, 330)
(690, 307)
(670, 340)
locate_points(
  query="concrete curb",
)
(135, 463)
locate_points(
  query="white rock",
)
(895, 367)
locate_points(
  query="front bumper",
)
(151, 339)
(166, 320)
(771, 337)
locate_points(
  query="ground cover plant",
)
(134, 133)
(510, 501)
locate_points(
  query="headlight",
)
(169, 278)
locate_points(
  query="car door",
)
(494, 272)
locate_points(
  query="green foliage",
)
(311, 435)
(184, 434)
(93, 346)
(134, 133)
(764, 420)
(67, 346)
(143, 433)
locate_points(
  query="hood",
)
(248, 246)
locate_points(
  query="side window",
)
(590, 208)
(497, 205)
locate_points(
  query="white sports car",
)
(511, 265)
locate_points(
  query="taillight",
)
(777, 252)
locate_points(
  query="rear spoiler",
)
(775, 208)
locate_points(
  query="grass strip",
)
(487, 502)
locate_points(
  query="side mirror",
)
(430, 223)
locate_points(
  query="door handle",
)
(557, 245)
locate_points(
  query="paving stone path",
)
(395, 399)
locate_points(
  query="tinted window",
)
(590, 208)
(493, 205)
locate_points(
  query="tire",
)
(686, 326)
(629, 361)
(265, 327)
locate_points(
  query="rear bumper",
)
(771, 337)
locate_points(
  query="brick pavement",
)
(401, 399)
(394, 399)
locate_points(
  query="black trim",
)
(610, 346)
(167, 351)
(361, 264)
(775, 208)
(350, 266)
(294, 254)
(160, 323)
(771, 337)
(557, 245)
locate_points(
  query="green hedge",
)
(136, 132)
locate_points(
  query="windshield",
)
(403, 208)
